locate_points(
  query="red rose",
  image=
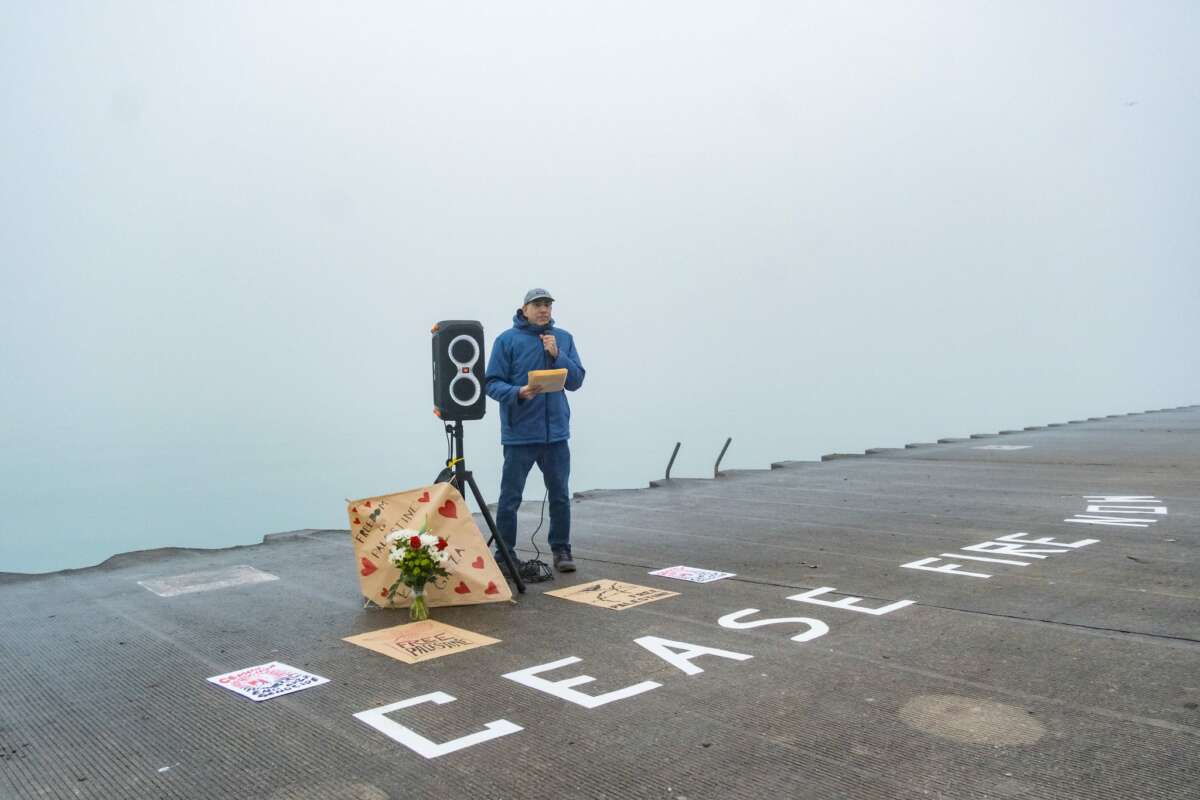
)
(441, 545)
(414, 542)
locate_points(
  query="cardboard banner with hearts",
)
(474, 576)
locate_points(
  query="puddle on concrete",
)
(970, 720)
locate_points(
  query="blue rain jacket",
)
(544, 418)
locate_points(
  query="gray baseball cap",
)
(537, 294)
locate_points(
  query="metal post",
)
(674, 453)
(717, 466)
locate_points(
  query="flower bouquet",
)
(420, 556)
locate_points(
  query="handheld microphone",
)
(545, 352)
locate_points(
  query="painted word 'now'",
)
(1120, 510)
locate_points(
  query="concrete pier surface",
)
(1009, 616)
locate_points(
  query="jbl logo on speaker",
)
(458, 364)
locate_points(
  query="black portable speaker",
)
(458, 365)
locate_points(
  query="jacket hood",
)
(522, 323)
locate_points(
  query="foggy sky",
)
(225, 230)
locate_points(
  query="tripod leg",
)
(513, 566)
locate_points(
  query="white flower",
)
(428, 540)
(395, 537)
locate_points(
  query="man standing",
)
(534, 425)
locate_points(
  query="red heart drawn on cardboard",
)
(367, 567)
(462, 588)
(478, 562)
(448, 509)
(423, 498)
(367, 504)
(357, 521)
(491, 589)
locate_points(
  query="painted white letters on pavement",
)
(377, 719)
(562, 689)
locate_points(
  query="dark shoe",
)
(503, 565)
(562, 560)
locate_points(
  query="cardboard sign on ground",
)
(267, 680)
(612, 594)
(693, 574)
(474, 576)
(420, 641)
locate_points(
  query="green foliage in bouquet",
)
(420, 556)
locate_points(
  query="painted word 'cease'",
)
(680, 655)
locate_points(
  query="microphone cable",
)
(535, 570)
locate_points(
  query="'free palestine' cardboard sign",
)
(612, 594)
(420, 641)
(474, 576)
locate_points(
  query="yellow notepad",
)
(551, 380)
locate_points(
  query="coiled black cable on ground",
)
(535, 570)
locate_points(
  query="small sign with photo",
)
(693, 574)
(267, 680)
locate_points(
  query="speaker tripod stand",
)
(457, 474)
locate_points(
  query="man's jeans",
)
(554, 460)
